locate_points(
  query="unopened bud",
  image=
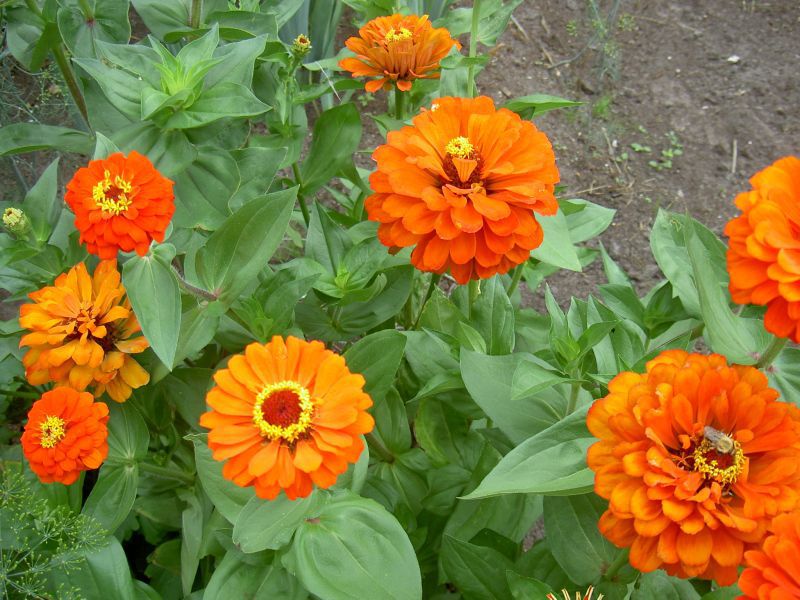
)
(301, 45)
(16, 221)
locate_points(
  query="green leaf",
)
(257, 169)
(169, 151)
(107, 21)
(198, 326)
(225, 100)
(235, 253)
(585, 219)
(506, 388)
(128, 437)
(391, 422)
(228, 498)
(153, 291)
(739, 340)
(526, 588)
(102, 571)
(202, 190)
(557, 248)
(264, 578)
(113, 495)
(534, 105)
(123, 90)
(337, 133)
(40, 203)
(575, 541)
(440, 431)
(377, 357)
(163, 17)
(660, 585)
(237, 63)
(354, 549)
(30, 37)
(493, 317)
(477, 571)
(552, 463)
(270, 524)
(18, 138)
(785, 374)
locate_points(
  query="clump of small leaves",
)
(37, 539)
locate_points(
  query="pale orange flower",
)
(120, 203)
(81, 332)
(764, 247)
(695, 457)
(773, 571)
(65, 434)
(287, 415)
(397, 49)
(461, 185)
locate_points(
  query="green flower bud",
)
(301, 45)
(16, 221)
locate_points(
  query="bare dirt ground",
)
(714, 83)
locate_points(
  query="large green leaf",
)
(575, 541)
(241, 248)
(377, 357)
(113, 495)
(551, 463)
(202, 190)
(660, 585)
(103, 570)
(107, 20)
(30, 36)
(228, 498)
(263, 578)
(270, 524)
(557, 248)
(40, 203)
(508, 389)
(336, 136)
(225, 100)
(128, 437)
(493, 317)
(534, 105)
(18, 138)
(353, 548)
(477, 571)
(123, 90)
(156, 299)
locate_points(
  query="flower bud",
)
(16, 221)
(301, 45)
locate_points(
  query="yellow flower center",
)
(283, 410)
(112, 196)
(460, 147)
(720, 461)
(52, 431)
(398, 35)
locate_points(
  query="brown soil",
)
(720, 74)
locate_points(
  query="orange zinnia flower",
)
(696, 457)
(65, 434)
(80, 333)
(462, 185)
(773, 571)
(764, 248)
(397, 50)
(285, 415)
(120, 203)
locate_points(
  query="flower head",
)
(773, 571)
(65, 434)
(120, 203)
(461, 185)
(397, 50)
(764, 248)
(696, 457)
(81, 332)
(16, 221)
(286, 416)
(565, 594)
(301, 45)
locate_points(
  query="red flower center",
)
(282, 408)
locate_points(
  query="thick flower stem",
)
(620, 561)
(515, 279)
(771, 353)
(399, 104)
(473, 46)
(473, 292)
(573, 397)
(194, 16)
(66, 71)
(298, 179)
(191, 289)
(379, 449)
(166, 473)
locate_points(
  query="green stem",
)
(399, 104)
(86, 9)
(298, 179)
(573, 397)
(474, 292)
(431, 286)
(378, 448)
(515, 278)
(166, 473)
(194, 16)
(18, 394)
(473, 46)
(620, 561)
(771, 353)
(191, 289)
